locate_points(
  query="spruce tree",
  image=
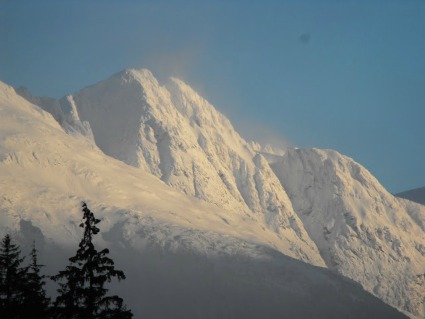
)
(82, 292)
(12, 280)
(36, 303)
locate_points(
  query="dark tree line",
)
(81, 293)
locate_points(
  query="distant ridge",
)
(416, 195)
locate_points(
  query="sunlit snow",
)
(204, 223)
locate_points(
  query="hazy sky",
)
(346, 75)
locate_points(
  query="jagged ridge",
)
(334, 204)
(199, 260)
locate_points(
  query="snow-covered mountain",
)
(184, 257)
(178, 183)
(361, 230)
(174, 134)
(415, 195)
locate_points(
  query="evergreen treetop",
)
(12, 279)
(37, 304)
(82, 292)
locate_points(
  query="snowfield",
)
(204, 223)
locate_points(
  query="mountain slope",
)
(175, 134)
(337, 214)
(38, 157)
(198, 259)
(179, 137)
(362, 231)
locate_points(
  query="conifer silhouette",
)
(82, 292)
(12, 280)
(36, 303)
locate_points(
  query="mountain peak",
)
(134, 73)
(173, 133)
(315, 205)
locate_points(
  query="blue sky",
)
(346, 75)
